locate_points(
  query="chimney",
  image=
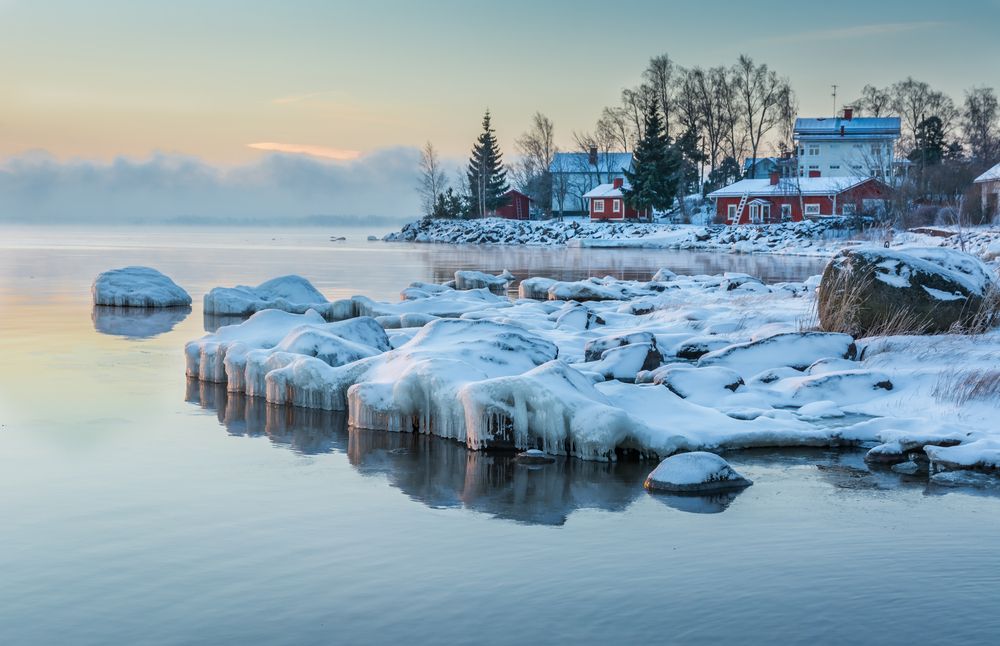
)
(848, 114)
(617, 182)
(775, 177)
(592, 159)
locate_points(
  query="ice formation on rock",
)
(689, 363)
(137, 287)
(287, 293)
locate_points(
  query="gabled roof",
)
(859, 127)
(992, 175)
(580, 163)
(793, 186)
(760, 160)
(607, 190)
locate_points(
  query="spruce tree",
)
(487, 175)
(658, 167)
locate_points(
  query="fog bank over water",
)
(376, 188)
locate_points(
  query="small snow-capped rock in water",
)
(695, 472)
(137, 287)
(535, 456)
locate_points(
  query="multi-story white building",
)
(847, 146)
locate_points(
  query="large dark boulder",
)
(881, 291)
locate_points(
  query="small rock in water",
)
(909, 468)
(372, 238)
(695, 472)
(534, 456)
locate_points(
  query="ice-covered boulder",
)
(982, 454)
(449, 303)
(205, 357)
(137, 287)
(597, 347)
(871, 290)
(292, 294)
(793, 349)
(465, 279)
(695, 472)
(536, 288)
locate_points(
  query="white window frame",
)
(598, 206)
(616, 206)
(814, 150)
(731, 212)
(786, 212)
(755, 213)
(812, 209)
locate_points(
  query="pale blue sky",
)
(98, 79)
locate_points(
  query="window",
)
(616, 206)
(813, 150)
(598, 206)
(786, 212)
(876, 149)
(814, 167)
(857, 167)
(812, 209)
(754, 213)
(834, 166)
(765, 212)
(731, 213)
(848, 209)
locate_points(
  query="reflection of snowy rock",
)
(137, 287)
(698, 471)
(288, 293)
(715, 503)
(917, 290)
(135, 322)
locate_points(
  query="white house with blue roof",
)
(576, 174)
(847, 146)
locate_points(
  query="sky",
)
(226, 86)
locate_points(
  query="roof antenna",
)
(835, 86)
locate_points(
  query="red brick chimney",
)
(775, 177)
(617, 182)
(848, 114)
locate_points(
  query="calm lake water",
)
(137, 507)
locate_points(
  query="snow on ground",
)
(137, 287)
(677, 364)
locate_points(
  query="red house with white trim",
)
(607, 202)
(774, 200)
(517, 206)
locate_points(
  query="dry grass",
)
(838, 312)
(986, 317)
(962, 386)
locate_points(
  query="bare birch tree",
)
(432, 181)
(661, 78)
(763, 98)
(537, 148)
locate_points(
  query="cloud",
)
(857, 31)
(308, 149)
(38, 188)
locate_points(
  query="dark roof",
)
(830, 127)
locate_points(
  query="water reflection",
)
(137, 322)
(699, 504)
(433, 471)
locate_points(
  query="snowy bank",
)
(602, 368)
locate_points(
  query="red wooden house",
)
(517, 206)
(769, 201)
(607, 202)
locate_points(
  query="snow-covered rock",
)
(480, 280)
(792, 349)
(292, 294)
(916, 290)
(695, 472)
(137, 287)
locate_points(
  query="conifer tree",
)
(658, 167)
(487, 175)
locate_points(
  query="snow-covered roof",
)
(606, 190)
(992, 175)
(793, 186)
(861, 127)
(580, 163)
